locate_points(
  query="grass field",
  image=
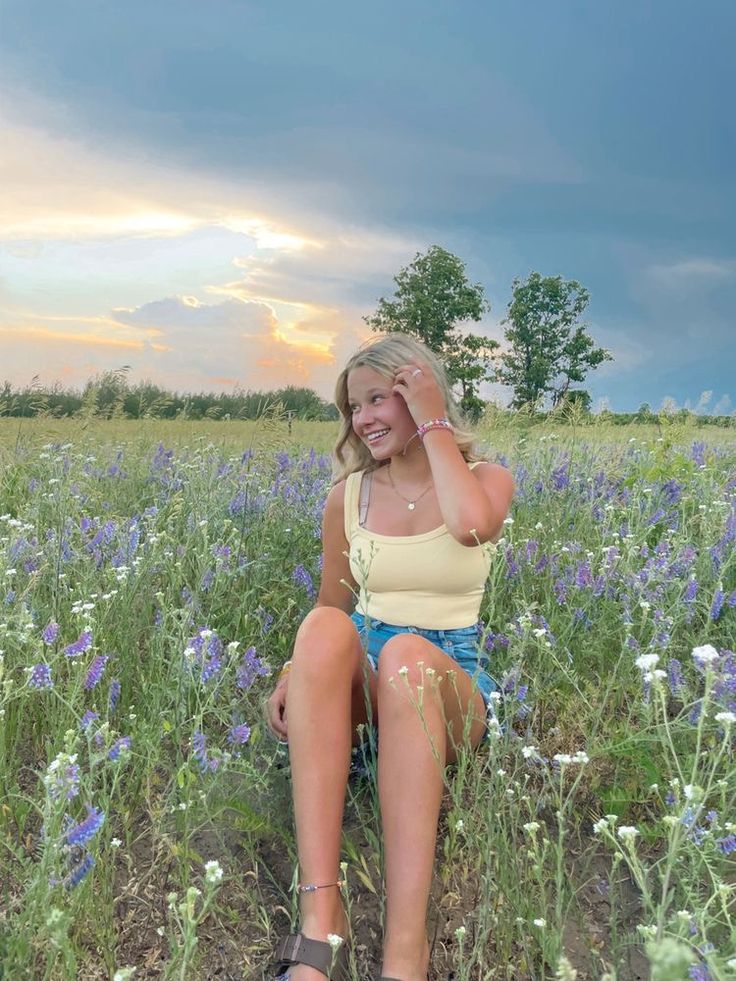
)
(152, 577)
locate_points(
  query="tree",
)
(432, 297)
(548, 348)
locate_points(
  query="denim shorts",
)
(462, 645)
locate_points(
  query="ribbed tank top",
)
(429, 580)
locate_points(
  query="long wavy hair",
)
(385, 356)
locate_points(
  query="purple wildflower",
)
(250, 668)
(79, 871)
(50, 632)
(118, 746)
(699, 972)
(239, 735)
(674, 676)
(85, 831)
(40, 676)
(717, 604)
(199, 749)
(301, 577)
(80, 645)
(115, 687)
(63, 782)
(95, 671)
(727, 845)
(87, 719)
(691, 591)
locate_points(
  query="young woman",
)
(403, 529)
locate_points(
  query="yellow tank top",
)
(429, 580)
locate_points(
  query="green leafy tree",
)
(433, 297)
(548, 347)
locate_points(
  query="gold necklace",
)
(411, 504)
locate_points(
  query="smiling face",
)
(380, 418)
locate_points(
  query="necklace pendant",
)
(412, 505)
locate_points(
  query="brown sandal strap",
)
(298, 949)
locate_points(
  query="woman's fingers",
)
(277, 712)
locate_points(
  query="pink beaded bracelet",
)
(434, 424)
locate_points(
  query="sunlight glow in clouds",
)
(188, 324)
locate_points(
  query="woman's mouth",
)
(376, 437)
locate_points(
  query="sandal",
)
(298, 949)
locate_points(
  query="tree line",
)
(111, 396)
(548, 351)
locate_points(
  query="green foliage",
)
(549, 349)
(432, 298)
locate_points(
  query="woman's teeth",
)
(374, 437)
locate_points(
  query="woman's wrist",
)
(440, 423)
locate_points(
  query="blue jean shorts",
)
(463, 646)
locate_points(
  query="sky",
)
(216, 194)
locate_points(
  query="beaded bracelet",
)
(443, 423)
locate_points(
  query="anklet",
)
(301, 888)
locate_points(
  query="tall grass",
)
(152, 575)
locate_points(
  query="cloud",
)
(696, 272)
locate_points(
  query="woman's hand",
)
(276, 710)
(416, 384)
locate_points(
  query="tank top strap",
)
(352, 485)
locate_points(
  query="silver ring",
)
(416, 372)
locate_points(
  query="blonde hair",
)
(385, 356)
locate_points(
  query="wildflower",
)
(335, 941)
(600, 825)
(212, 872)
(239, 735)
(62, 777)
(84, 831)
(704, 655)
(50, 632)
(531, 827)
(727, 845)
(115, 688)
(717, 604)
(95, 671)
(119, 746)
(726, 718)
(674, 674)
(40, 676)
(646, 662)
(460, 934)
(79, 871)
(80, 645)
(540, 922)
(529, 752)
(627, 833)
(403, 671)
(87, 719)
(250, 668)
(301, 577)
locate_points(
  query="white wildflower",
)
(646, 662)
(335, 940)
(600, 826)
(212, 872)
(540, 922)
(706, 654)
(531, 827)
(529, 751)
(727, 718)
(627, 832)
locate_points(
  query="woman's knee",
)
(405, 657)
(326, 637)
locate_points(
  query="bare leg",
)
(415, 745)
(325, 700)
